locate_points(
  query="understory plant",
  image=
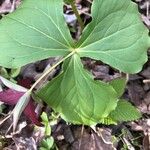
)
(116, 36)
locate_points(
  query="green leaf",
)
(116, 35)
(46, 123)
(108, 121)
(35, 31)
(77, 97)
(44, 118)
(125, 112)
(47, 144)
(119, 86)
(68, 1)
(14, 72)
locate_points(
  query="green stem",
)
(74, 8)
(49, 70)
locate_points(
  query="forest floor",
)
(131, 136)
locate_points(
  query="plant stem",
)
(49, 70)
(74, 8)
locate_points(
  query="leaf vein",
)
(37, 30)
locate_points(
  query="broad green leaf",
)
(77, 97)
(119, 86)
(116, 35)
(124, 112)
(35, 31)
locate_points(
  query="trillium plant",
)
(116, 36)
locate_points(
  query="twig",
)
(1, 122)
(74, 8)
(146, 81)
(82, 131)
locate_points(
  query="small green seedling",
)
(48, 142)
(46, 124)
(116, 36)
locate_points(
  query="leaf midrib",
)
(113, 50)
(55, 25)
(37, 47)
